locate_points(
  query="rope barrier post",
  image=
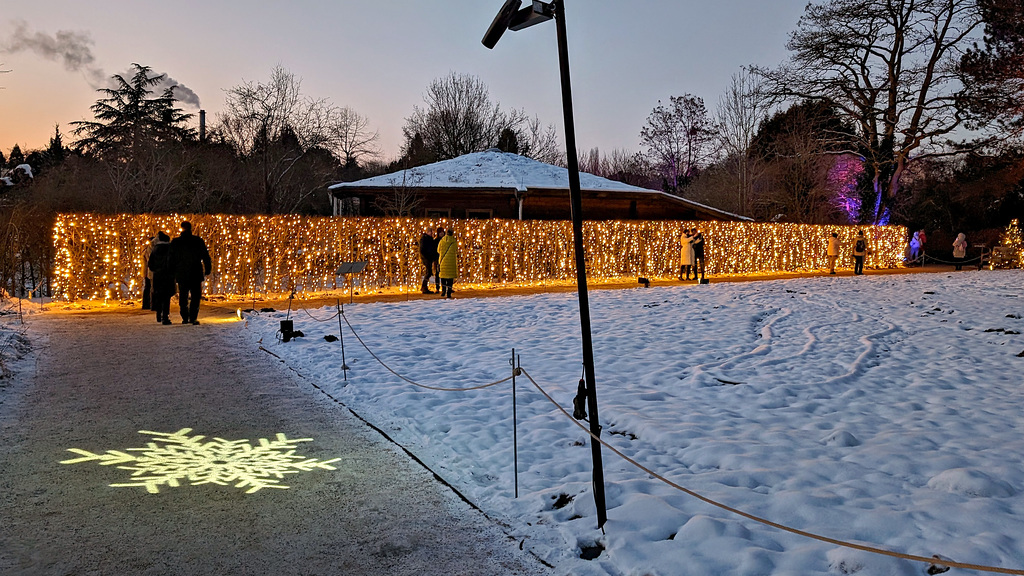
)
(515, 425)
(341, 336)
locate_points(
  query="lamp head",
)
(500, 23)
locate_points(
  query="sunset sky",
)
(379, 56)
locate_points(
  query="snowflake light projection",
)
(173, 458)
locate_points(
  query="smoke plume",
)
(182, 93)
(74, 51)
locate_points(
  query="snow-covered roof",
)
(497, 170)
(492, 170)
(25, 168)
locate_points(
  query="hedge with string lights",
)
(100, 256)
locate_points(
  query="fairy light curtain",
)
(100, 256)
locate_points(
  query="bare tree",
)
(404, 198)
(459, 118)
(620, 165)
(151, 182)
(798, 149)
(353, 138)
(795, 184)
(276, 128)
(741, 110)
(542, 142)
(890, 66)
(679, 139)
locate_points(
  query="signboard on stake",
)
(348, 268)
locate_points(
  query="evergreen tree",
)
(55, 152)
(129, 118)
(508, 141)
(995, 71)
(16, 157)
(1012, 238)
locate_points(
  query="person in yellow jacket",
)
(448, 255)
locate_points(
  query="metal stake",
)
(341, 336)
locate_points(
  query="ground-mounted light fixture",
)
(511, 17)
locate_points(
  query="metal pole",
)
(515, 426)
(576, 198)
(341, 337)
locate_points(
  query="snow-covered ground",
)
(880, 410)
(13, 343)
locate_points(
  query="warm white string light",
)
(100, 256)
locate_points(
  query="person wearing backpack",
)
(163, 277)
(860, 249)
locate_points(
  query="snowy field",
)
(14, 345)
(880, 410)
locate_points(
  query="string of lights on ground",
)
(99, 257)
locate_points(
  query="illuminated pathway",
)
(187, 452)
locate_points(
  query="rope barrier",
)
(333, 316)
(410, 381)
(934, 560)
(934, 259)
(862, 547)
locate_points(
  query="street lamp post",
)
(512, 18)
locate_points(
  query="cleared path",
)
(100, 378)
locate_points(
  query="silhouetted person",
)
(436, 264)
(147, 274)
(191, 265)
(428, 254)
(162, 269)
(860, 249)
(698, 253)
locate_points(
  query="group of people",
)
(440, 256)
(860, 250)
(170, 266)
(916, 252)
(691, 254)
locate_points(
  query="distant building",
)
(22, 173)
(495, 184)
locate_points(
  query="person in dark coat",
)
(162, 269)
(698, 253)
(860, 249)
(192, 264)
(147, 274)
(428, 254)
(436, 264)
